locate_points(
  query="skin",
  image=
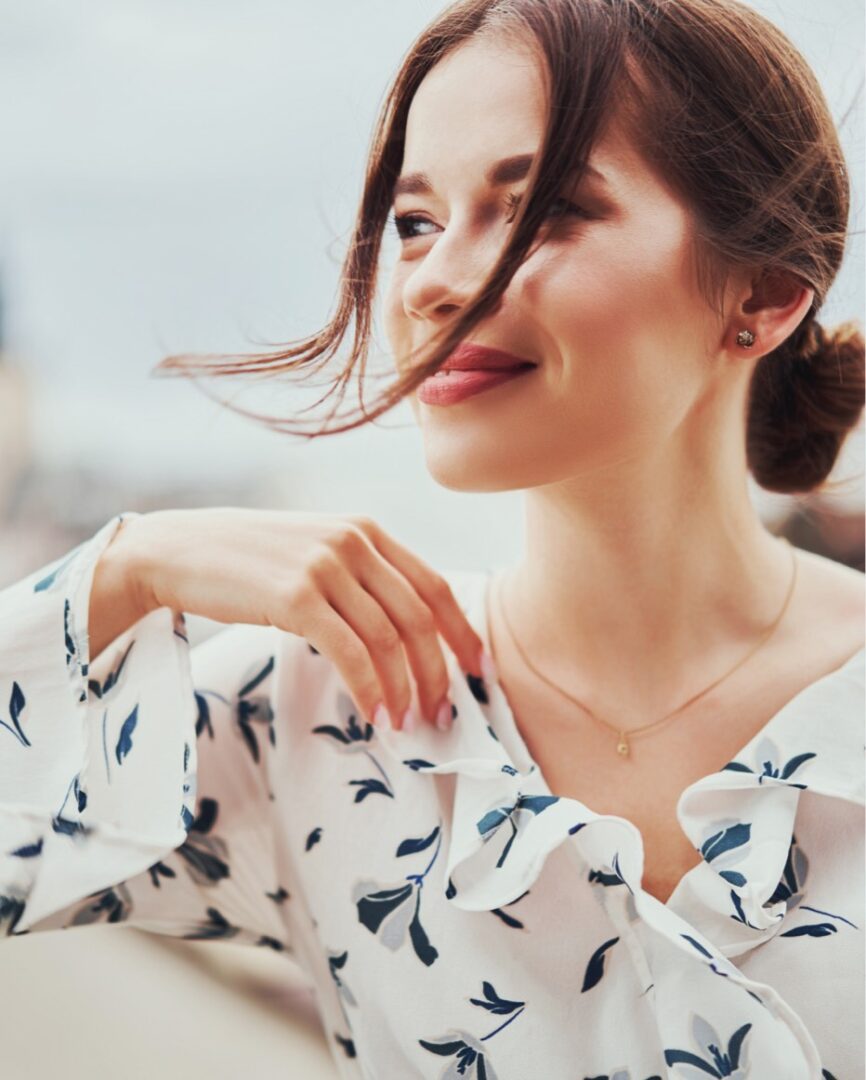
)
(641, 540)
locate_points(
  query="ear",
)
(772, 307)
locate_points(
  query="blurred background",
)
(184, 177)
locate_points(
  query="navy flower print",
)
(471, 1057)
(712, 1056)
(135, 790)
(352, 737)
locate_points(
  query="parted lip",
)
(468, 357)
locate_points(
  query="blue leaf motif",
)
(477, 687)
(333, 731)
(494, 1003)
(370, 786)
(124, 742)
(11, 910)
(426, 952)
(733, 877)
(48, 581)
(256, 679)
(595, 967)
(794, 764)
(217, 927)
(29, 851)
(471, 1056)
(203, 715)
(445, 1049)
(732, 837)
(348, 1045)
(375, 907)
(16, 706)
(716, 1062)
(113, 677)
(812, 930)
(410, 846)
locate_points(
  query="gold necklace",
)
(623, 736)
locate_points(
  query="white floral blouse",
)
(456, 919)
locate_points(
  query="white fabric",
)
(456, 919)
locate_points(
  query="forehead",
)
(486, 101)
(484, 95)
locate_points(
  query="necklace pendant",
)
(622, 745)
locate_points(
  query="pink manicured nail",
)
(488, 668)
(382, 718)
(409, 720)
(443, 716)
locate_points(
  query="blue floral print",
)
(517, 814)
(471, 1058)
(388, 911)
(352, 737)
(16, 707)
(711, 1059)
(769, 763)
(172, 789)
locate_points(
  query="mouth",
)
(447, 372)
(455, 385)
(471, 357)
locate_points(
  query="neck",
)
(634, 601)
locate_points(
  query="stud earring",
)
(746, 338)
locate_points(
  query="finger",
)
(451, 621)
(326, 629)
(371, 623)
(416, 629)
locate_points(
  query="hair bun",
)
(805, 397)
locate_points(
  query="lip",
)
(472, 357)
(461, 384)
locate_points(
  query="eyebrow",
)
(506, 171)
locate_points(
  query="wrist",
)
(124, 562)
(118, 593)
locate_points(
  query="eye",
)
(559, 208)
(404, 224)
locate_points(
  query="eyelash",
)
(401, 223)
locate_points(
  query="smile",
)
(451, 386)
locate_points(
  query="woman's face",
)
(606, 304)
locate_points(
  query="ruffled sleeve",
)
(134, 790)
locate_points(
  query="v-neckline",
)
(484, 632)
(509, 733)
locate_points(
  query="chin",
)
(457, 472)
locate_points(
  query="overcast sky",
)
(182, 175)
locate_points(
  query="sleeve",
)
(135, 791)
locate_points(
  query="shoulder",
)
(832, 605)
(833, 585)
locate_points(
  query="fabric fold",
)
(100, 786)
(506, 821)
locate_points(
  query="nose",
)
(445, 279)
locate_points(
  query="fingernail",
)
(443, 715)
(382, 718)
(409, 720)
(488, 668)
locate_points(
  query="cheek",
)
(615, 290)
(623, 338)
(395, 322)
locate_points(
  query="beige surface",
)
(96, 1002)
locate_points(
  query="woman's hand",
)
(337, 580)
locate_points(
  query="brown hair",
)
(727, 110)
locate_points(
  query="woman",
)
(639, 850)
